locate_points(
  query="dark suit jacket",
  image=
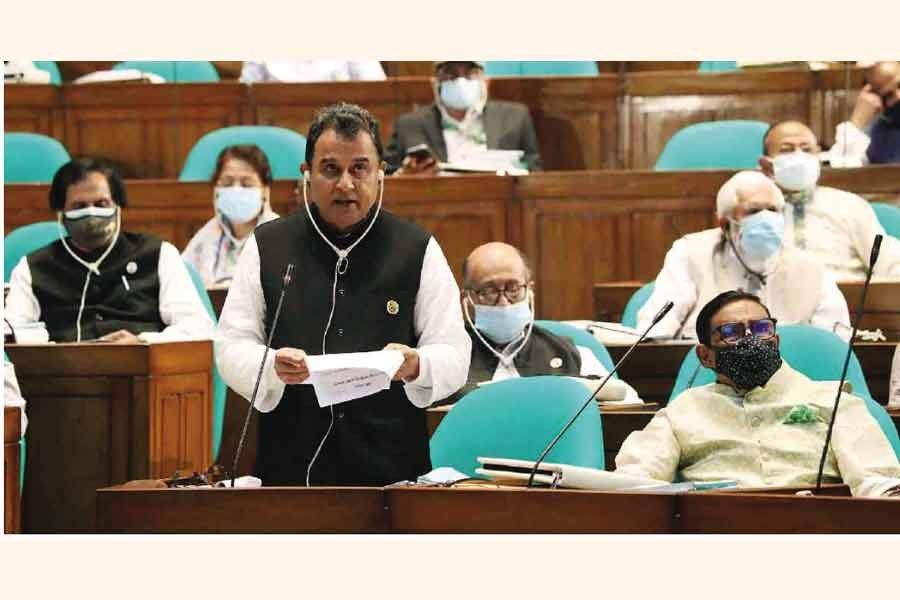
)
(507, 126)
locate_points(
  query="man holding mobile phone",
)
(461, 122)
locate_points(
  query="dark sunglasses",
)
(732, 333)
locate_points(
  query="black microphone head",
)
(663, 312)
(876, 248)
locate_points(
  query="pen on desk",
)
(125, 283)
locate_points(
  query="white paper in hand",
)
(343, 377)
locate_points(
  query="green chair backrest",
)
(284, 148)
(517, 418)
(220, 390)
(714, 145)
(175, 71)
(31, 158)
(717, 66)
(824, 363)
(637, 300)
(580, 338)
(889, 217)
(25, 240)
(531, 68)
(51, 67)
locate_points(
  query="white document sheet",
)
(340, 378)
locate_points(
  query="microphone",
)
(286, 280)
(876, 248)
(659, 317)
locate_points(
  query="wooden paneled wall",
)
(614, 120)
(577, 228)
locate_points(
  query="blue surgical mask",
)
(239, 204)
(461, 93)
(761, 235)
(503, 324)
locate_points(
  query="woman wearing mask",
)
(242, 183)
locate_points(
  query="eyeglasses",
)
(732, 333)
(491, 295)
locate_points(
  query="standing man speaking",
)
(363, 280)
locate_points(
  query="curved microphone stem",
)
(876, 247)
(237, 455)
(659, 316)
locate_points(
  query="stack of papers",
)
(489, 161)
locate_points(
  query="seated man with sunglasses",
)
(498, 306)
(762, 423)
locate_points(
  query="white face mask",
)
(461, 93)
(239, 204)
(796, 171)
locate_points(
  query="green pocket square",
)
(802, 414)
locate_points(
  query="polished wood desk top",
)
(487, 508)
(86, 359)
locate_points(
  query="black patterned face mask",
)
(750, 363)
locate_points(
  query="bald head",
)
(496, 264)
(884, 80)
(789, 136)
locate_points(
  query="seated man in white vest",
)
(761, 423)
(498, 305)
(745, 252)
(895, 380)
(97, 282)
(835, 226)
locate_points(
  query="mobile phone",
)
(420, 152)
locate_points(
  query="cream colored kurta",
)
(712, 433)
(838, 229)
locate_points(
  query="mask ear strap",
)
(760, 276)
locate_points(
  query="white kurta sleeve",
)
(590, 366)
(12, 395)
(21, 304)
(241, 338)
(366, 70)
(895, 379)
(864, 456)
(850, 145)
(444, 346)
(832, 309)
(179, 305)
(674, 283)
(653, 452)
(864, 226)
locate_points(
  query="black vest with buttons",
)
(57, 281)
(534, 359)
(375, 440)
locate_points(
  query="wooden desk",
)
(101, 414)
(399, 509)
(255, 510)
(613, 120)
(12, 433)
(882, 309)
(576, 228)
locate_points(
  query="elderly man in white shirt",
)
(365, 280)
(99, 282)
(310, 71)
(835, 226)
(894, 399)
(745, 252)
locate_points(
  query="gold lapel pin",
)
(393, 307)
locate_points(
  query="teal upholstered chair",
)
(175, 71)
(517, 418)
(219, 388)
(714, 145)
(824, 363)
(889, 217)
(637, 300)
(25, 240)
(580, 338)
(51, 67)
(532, 68)
(717, 66)
(31, 158)
(284, 148)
